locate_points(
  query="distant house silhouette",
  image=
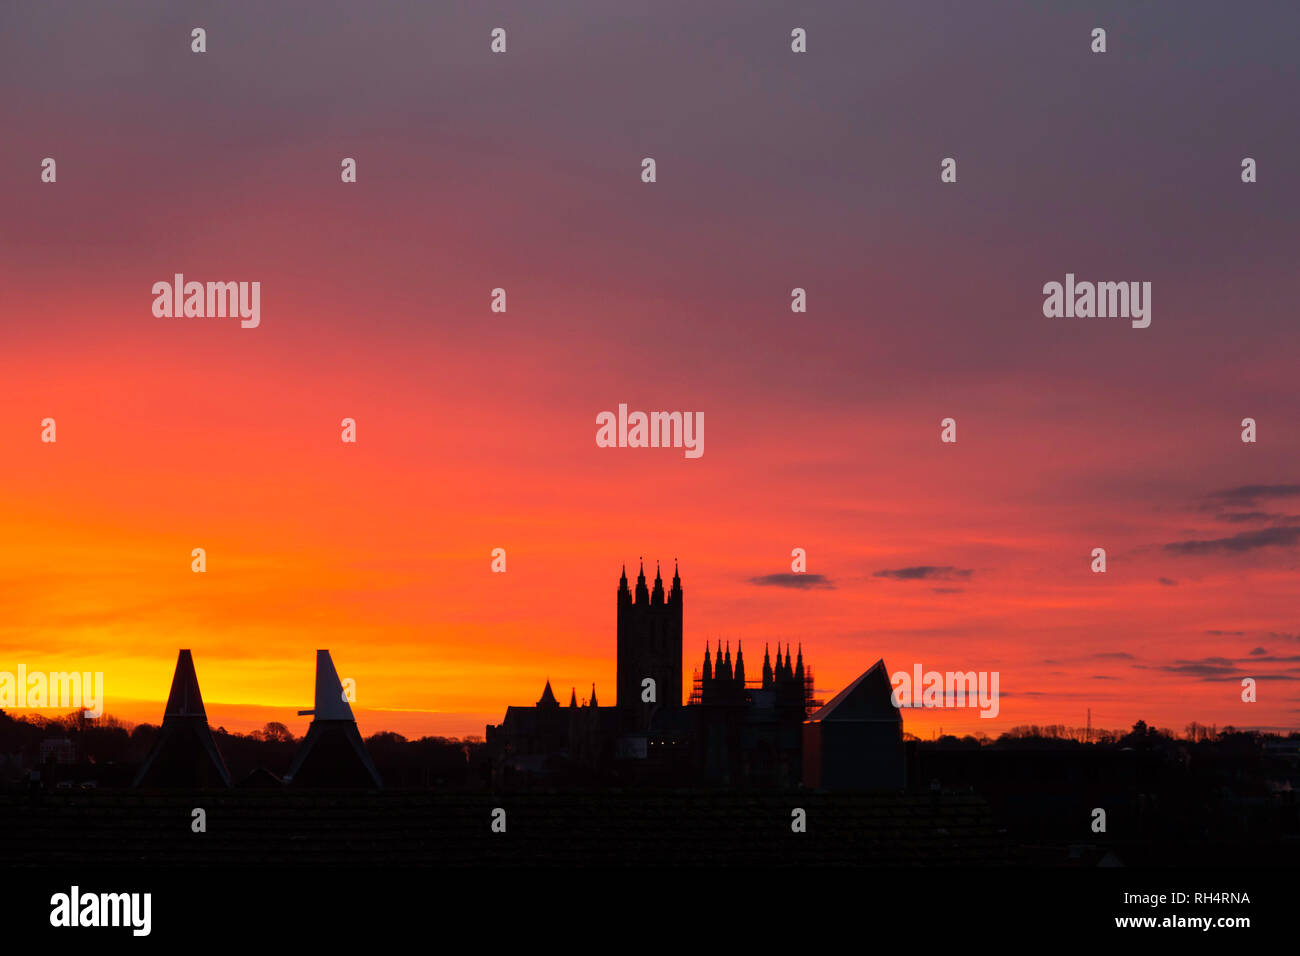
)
(333, 753)
(260, 779)
(58, 750)
(184, 753)
(856, 740)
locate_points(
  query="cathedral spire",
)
(740, 665)
(708, 667)
(593, 694)
(642, 592)
(573, 697)
(767, 667)
(548, 696)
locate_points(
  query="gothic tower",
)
(649, 645)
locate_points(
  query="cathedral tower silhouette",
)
(649, 645)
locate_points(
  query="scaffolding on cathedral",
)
(722, 683)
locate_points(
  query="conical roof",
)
(185, 699)
(330, 702)
(333, 753)
(184, 753)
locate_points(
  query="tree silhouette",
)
(275, 732)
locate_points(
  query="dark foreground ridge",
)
(395, 828)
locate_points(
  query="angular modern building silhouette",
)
(855, 742)
(333, 753)
(184, 753)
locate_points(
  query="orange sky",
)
(381, 552)
(476, 430)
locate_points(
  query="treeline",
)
(1139, 737)
(109, 752)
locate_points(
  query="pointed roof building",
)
(184, 753)
(333, 753)
(548, 696)
(869, 698)
(855, 742)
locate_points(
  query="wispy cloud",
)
(1225, 669)
(1206, 667)
(789, 579)
(926, 572)
(1239, 543)
(1243, 495)
(1241, 517)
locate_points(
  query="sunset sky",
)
(476, 430)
